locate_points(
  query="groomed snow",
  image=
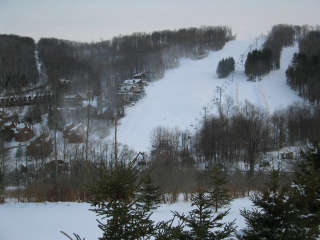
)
(38, 221)
(178, 100)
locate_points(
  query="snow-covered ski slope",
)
(179, 99)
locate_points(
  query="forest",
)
(17, 63)
(304, 75)
(261, 61)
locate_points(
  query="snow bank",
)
(38, 221)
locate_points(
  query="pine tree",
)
(258, 63)
(203, 222)
(218, 192)
(275, 216)
(1, 186)
(3, 157)
(225, 67)
(166, 230)
(19, 152)
(149, 195)
(306, 189)
(114, 196)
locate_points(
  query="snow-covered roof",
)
(138, 75)
(65, 81)
(131, 81)
(125, 88)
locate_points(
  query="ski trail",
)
(179, 98)
(265, 100)
(237, 95)
(38, 64)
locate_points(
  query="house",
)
(139, 76)
(125, 89)
(134, 86)
(74, 134)
(12, 125)
(286, 155)
(74, 100)
(132, 82)
(64, 83)
(24, 134)
(51, 168)
(131, 90)
(40, 147)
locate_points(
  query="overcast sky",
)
(93, 20)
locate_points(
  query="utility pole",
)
(88, 123)
(205, 114)
(55, 117)
(219, 89)
(115, 139)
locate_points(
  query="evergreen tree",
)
(306, 190)
(33, 114)
(3, 157)
(114, 195)
(225, 67)
(55, 118)
(218, 192)
(1, 186)
(258, 63)
(19, 152)
(202, 221)
(275, 216)
(166, 230)
(149, 195)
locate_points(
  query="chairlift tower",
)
(219, 90)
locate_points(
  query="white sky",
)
(93, 20)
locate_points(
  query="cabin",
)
(3, 102)
(24, 134)
(137, 89)
(40, 147)
(286, 155)
(64, 83)
(131, 88)
(13, 125)
(125, 89)
(139, 76)
(50, 169)
(73, 100)
(74, 134)
(132, 82)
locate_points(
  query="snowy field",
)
(39, 221)
(179, 99)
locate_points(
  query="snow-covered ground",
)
(179, 99)
(38, 221)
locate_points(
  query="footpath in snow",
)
(38, 221)
(179, 99)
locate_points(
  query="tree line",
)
(303, 73)
(17, 63)
(261, 61)
(225, 67)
